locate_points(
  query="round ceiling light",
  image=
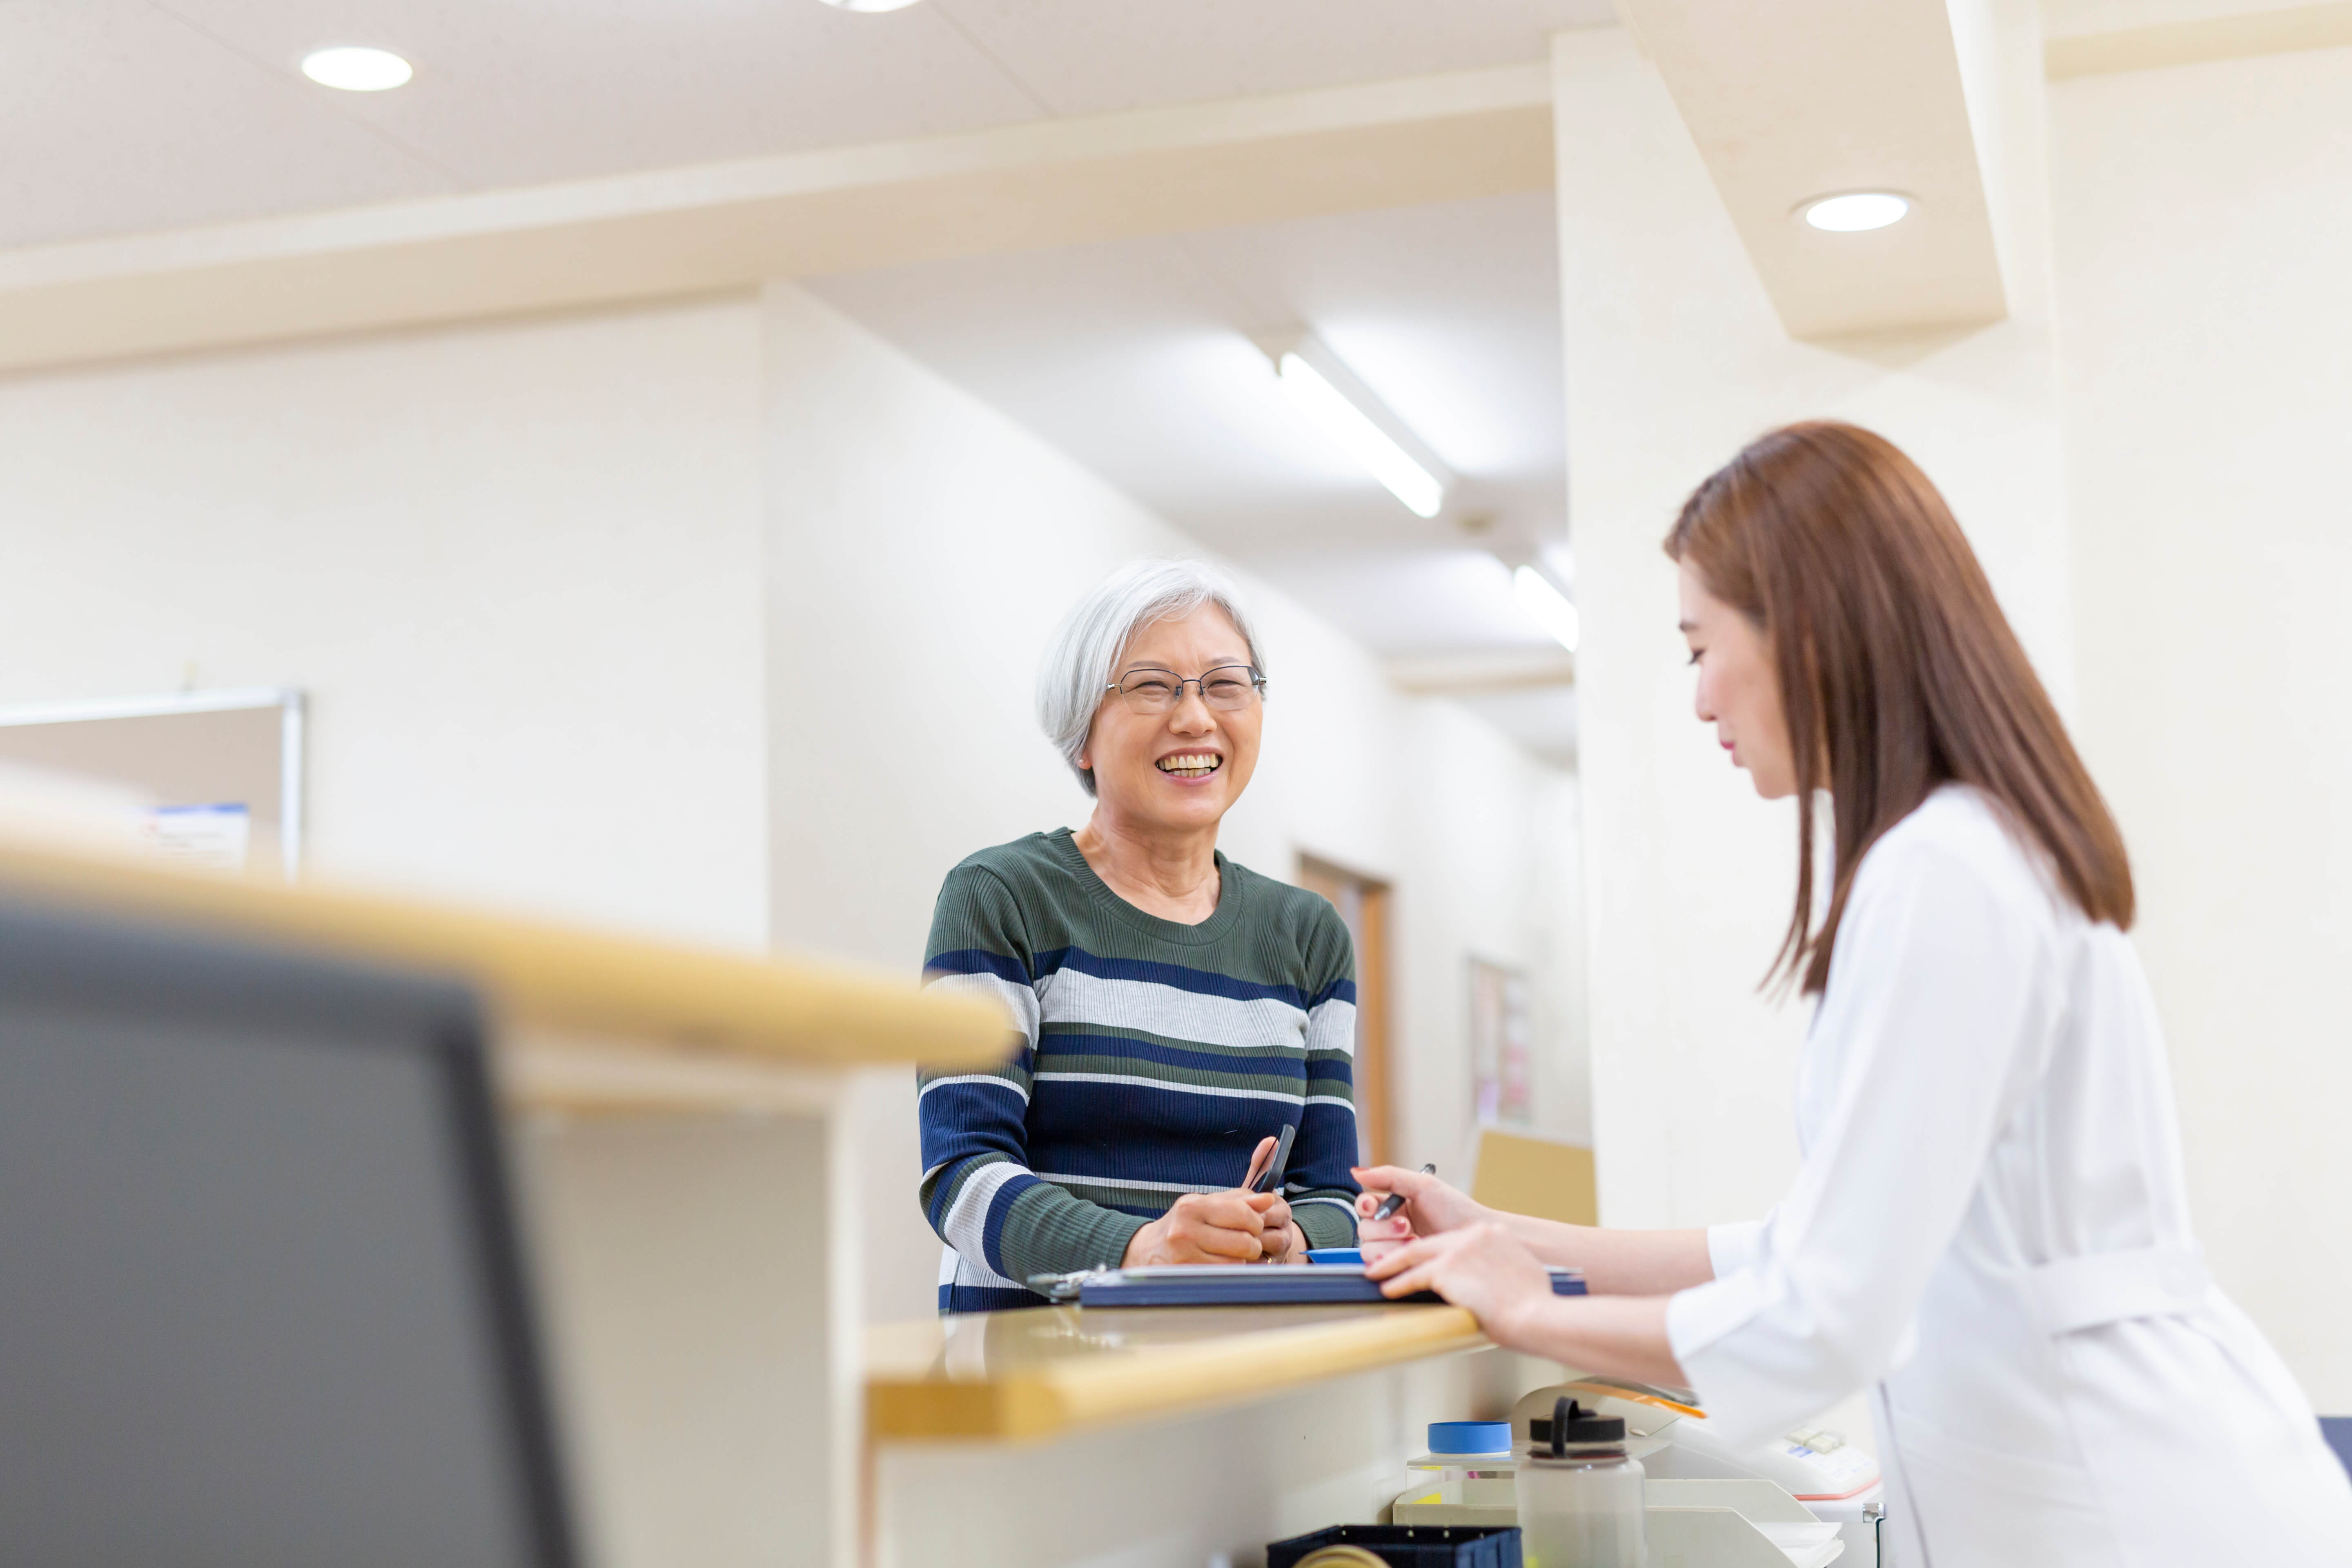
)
(356, 68)
(1856, 211)
(869, 4)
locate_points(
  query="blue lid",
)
(1334, 1254)
(1469, 1436)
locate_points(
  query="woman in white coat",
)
(1990, 1224)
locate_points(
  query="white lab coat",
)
(1991, 1224)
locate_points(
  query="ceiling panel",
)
(128, 115)
(524, 92)
(1450, 311)
(115, 116)
(1134, 359)
(1087, 57)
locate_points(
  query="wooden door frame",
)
(1373, 1070)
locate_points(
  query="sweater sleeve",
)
(978, 1190)
(1322, 1192)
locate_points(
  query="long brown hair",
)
(1897, 670)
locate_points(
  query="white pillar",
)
(1675, 359)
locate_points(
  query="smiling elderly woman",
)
(1178, 1009)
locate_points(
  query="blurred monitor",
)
(261, 1297)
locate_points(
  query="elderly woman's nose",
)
(1192, 712)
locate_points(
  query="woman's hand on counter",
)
(1481, 1266)
(1232, 1227)
(1489, 1269)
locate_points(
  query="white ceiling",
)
(119, 116)
(125, 116)
(1135, 358)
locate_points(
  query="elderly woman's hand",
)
(1234, 1227)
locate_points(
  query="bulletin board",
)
(199, 758)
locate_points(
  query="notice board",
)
(220, 772)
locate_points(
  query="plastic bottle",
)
(1580, 1496)
(1467, 1462)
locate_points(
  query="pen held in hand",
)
(1270, 1179)
(1395, 1201)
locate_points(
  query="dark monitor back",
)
(261, 1302)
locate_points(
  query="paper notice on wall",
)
(204, 837)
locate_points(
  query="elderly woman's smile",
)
(1191, 764)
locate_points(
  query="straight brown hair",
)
(1897, 671)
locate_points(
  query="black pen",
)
(1270, 1179)
(1395, 1201)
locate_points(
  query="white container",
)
(1581, 1503)
(1468, 1462)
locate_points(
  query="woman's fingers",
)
(1409, 1284)
(1259, 1160)
(1382, 1180)
(1414, 1268)
(1393, 1261)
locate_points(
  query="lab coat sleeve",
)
(1938, 965)
(1736, 1245)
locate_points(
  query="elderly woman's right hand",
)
(1232, 1226)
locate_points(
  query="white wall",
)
(716, 621)
(1675, 360)
(515, 566)
(2204, 242)
(920, 550)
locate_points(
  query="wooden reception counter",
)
(1050, 1371)
(1057, 1436)
(661, 1000)
(677, 1124)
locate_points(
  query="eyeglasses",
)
(1227, 689)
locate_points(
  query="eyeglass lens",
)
(1226, 688)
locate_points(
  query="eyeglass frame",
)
(1256, 682)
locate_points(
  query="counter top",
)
(1044, 1371)
(715, 1006)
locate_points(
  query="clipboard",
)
(1240, 1285)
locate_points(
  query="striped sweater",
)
(1154, 1055)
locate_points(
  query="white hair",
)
(1083, 658)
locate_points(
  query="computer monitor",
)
(262, 1302)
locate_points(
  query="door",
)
(1363, 904)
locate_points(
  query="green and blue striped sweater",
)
(1154, 1056)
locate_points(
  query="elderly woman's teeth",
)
(1191, 765)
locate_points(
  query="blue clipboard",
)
(1240, 1285)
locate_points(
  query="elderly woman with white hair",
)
(1177, 1010)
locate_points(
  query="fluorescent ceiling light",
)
(1360, 434)
(869, 4)
(355, 68)
(1548, 605)
(1856, 211)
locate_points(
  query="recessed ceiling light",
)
(356, 68)
(869, 4)
(1856, 211)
